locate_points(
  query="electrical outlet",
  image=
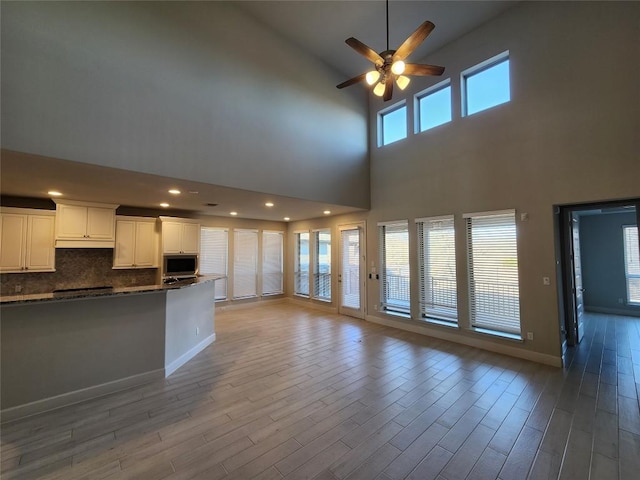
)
(375, 307)
(530, 336)
(546, 281)
(620, 301)
(18, 288)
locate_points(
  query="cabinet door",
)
(145, 245)
(125, 243)
(171, 237)
(71, 221)
(13, 230)
(100, 223)
(190, 238)
(40, 255)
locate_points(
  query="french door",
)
(351, 278)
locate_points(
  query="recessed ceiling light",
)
(175, 191)
(54, 193)
(193, 192)
(164, 204)
(268, 204)
(233, 213)
(327, 212)
(286, 219)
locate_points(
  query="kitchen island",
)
(61, 348)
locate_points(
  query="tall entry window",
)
(394, 267)
(213, 257)
(492, 252)
(437, 264)
(301, 266)
(322, 265)
(272, 246)
(632, 264)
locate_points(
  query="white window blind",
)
(493, 271)
(632, 263)
(272, 243)
(213, 257)
(322, 265)
(394, 267)
(301, 264)
(351, 268)
(437, 263)
(245, 264)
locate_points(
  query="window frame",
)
(221, 287)
(265, 235)
(445, 316)
(315, 263)
(477, 69)
(627, 262)
(432, 90)
(386, 111)
(296, 263)
(386, 306)
(486, 326)
(237, 264)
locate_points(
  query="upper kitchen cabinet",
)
(26, 240)
(84, 224)
(180, 235)
(136, 243)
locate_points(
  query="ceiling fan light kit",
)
(389, 65)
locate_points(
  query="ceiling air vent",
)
(211, 204)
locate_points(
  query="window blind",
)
(322, 265)
(272, 245)
(493, 271)
(437, 265)
(245, 263)
(394, 267)
(632, 263)
(213, 257)
(301, 264)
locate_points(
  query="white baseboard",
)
(311, 304)
(543, 358)
(240, 304)
(188, 355)
(77, 396)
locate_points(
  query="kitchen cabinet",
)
(83, 224)
(180, 236)
(27, 240)
(136, 243)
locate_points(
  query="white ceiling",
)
(319, 28)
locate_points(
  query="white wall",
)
(192, 90)
(569, 135)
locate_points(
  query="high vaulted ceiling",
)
(319, 28)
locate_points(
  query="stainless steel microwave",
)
(180, 266)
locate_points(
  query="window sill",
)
(442, 323)
(325, 300)
(301, 295)
(494, 333)
(393, 313)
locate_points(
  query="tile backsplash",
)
(77, 268)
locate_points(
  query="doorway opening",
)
(599, 264)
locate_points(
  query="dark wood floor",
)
(296, 393)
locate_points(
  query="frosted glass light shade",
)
(379, 89)
(372, 77)
(402, 82)
(398, 67)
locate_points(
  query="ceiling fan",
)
(389, 65)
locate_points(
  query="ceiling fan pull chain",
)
(387, 24)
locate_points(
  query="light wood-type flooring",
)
(291, 392)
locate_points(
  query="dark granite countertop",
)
(90, 293)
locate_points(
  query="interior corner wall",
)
(190, 90)
(602, 257)
(569, 135)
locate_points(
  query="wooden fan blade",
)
(364, 50)
(413, 69)
(352, 81)
(415, 39)
(388, 89)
